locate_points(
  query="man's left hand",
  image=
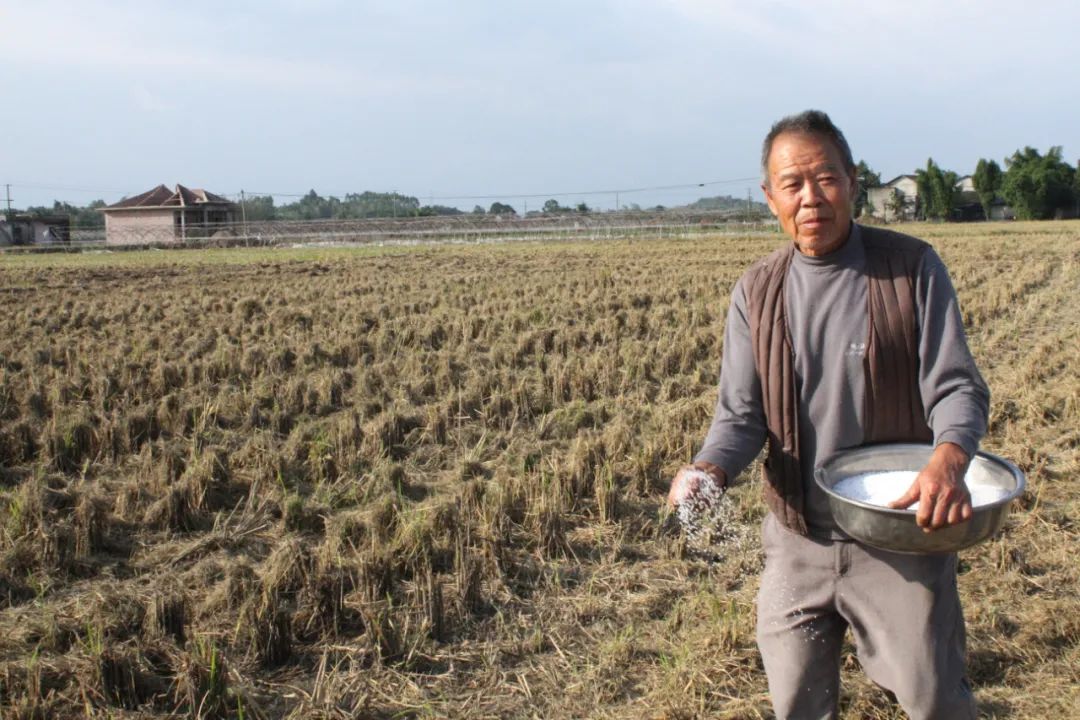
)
(940, 490)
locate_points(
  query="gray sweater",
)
(826, 309)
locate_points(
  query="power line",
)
(563, 193)
(613, 191)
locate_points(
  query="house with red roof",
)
(164, 215)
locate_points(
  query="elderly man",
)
(846, 336)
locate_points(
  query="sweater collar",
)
(851, 253)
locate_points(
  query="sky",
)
(464, 103)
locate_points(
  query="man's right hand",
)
(676, 493)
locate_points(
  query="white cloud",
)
(148, 101)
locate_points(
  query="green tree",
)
(867, 179)
(498, 208)
(372, 204)
(259, 207)
(937, 191)
(582, 207)
(1076, 187)
(429, 210)
(552, 206)
(923, 194)
(310, 207)
(896, 204)
(83, 218)
(1036, 185)
(948, 192)
(91, 215)
(477, 210)
(987, 180)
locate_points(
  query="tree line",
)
(88, 217)
(311, 206)
(353, 206)
(1035, 185)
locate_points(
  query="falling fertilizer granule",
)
(706, 516)
(882, 488)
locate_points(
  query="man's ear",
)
(768, 199)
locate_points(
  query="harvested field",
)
(428, 482)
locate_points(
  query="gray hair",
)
(813, 122)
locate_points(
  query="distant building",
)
(162, 215)
(999, 210)
(966, 205)
(896, 200)
(33, 229)
(966, 184)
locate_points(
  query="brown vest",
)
(893, 409)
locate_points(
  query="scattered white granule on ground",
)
(706, 516)
(882, 488)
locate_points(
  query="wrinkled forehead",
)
(801, 151)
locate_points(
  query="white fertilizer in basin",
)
(882, 488)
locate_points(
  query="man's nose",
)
(810, 195)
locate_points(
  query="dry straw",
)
(425, 482)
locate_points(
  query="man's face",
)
(810, 191)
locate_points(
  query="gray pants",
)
(903, 611)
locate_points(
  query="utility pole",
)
(748, 204)
(8, 189)
(616, 201)
(243, 213)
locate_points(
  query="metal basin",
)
(896, 530)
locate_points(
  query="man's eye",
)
(827, 180)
